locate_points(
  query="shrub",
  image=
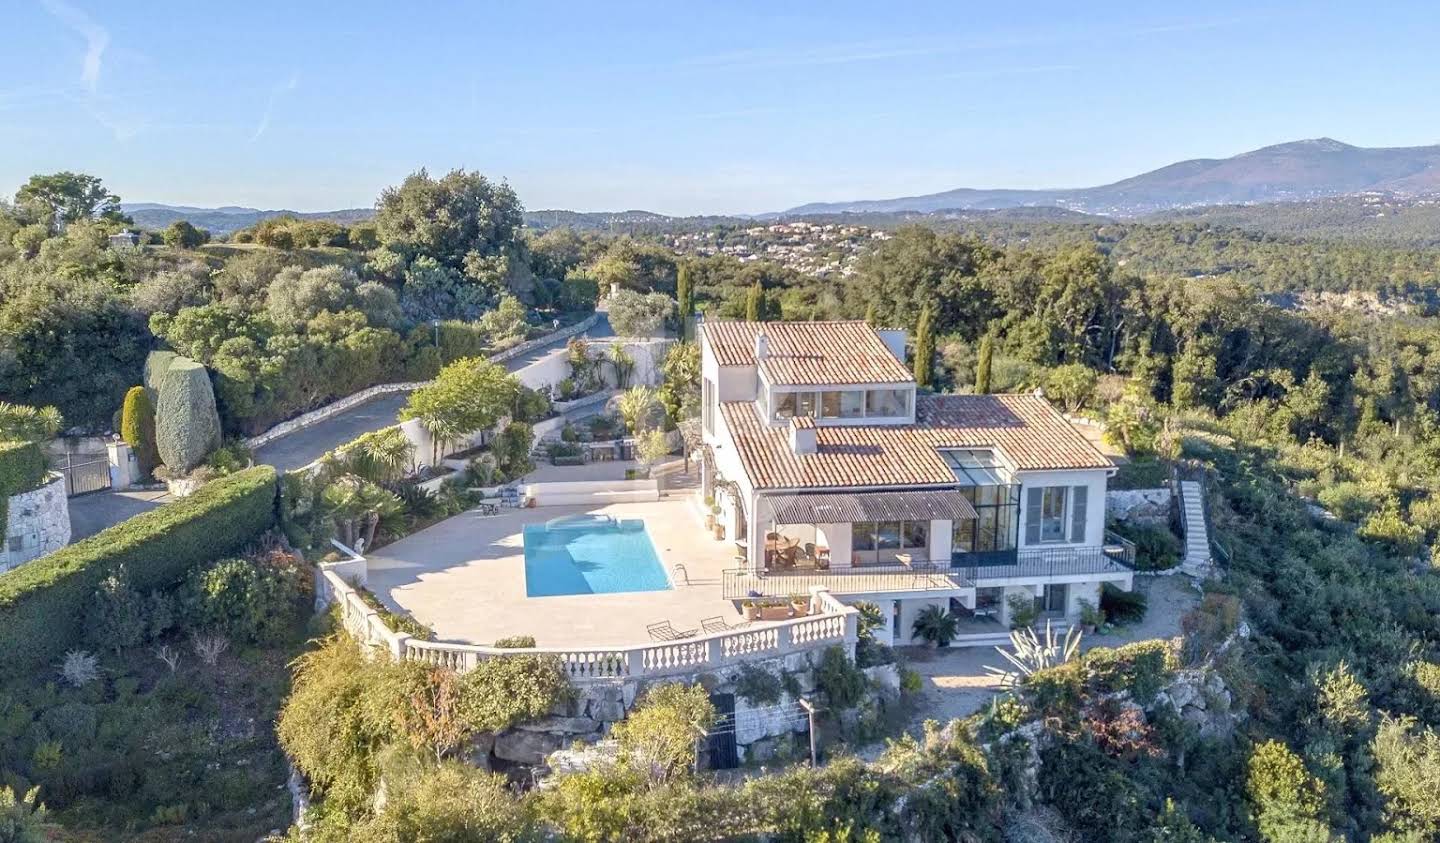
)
(758, 686)
(1122, 606)
(450, 801)
(516, 642)
(137, 428)
(80, 668)
(42, 604)
(501, 692)
(1156, 548)
(934, 625)
(1139, 668)
(117, 618)
(1407, 759)
(840, 680)
(241, 600)
(660, 735)
(1023, 611)
(1286, 801)
(188, 426)
(22, 819)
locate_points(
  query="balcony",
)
(741, 583)
(1046, 563)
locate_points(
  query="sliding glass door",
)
(882, 542)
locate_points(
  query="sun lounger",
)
(663, 631)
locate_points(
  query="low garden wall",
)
(568, 493)
(43, 603)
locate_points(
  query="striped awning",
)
(849, 507)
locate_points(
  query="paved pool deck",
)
(465, 578)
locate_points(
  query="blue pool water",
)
(590, 555)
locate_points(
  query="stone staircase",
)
(1197, 537)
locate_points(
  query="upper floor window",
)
(1056, 514)
(839, 404)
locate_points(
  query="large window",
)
(997, 515)
(879, 542)
(1056, 514)
(708, 406)
(840, 404)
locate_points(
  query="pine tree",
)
(685, 297)
(982, 368)
(137, 428)
(924, 349)
(755, 304)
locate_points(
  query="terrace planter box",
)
(775, 613)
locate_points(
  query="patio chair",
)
(663, 631)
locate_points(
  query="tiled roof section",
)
(1025, 429)
(808, 353)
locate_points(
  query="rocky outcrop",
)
(1138, 506)
(1201, 698)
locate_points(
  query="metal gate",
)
(84, 472)
(720, 743)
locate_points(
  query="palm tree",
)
(28, 424)
(383, 456)
(357, 507)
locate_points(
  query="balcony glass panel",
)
(886, 403)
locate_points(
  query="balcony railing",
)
(740, 583)
(1045, 562)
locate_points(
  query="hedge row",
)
(22, 467)
(43, 603)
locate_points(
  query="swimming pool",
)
(591, 555)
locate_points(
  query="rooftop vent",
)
(762, 346)
(802, 435)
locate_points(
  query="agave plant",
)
(1033, 654)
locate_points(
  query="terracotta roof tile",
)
(1024, 429)
(808, 353)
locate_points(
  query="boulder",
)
(524, 747)
(477, 752)
(561, 725)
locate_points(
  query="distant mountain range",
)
(1288, 172)
(1306, 169)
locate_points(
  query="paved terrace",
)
(465, 578)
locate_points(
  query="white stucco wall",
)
(1094, 480)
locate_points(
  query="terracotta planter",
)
(801, 608)
(775, 613)
(719, 532)
(710, 522)
(752, 612)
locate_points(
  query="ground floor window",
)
(880, 542)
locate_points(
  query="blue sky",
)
(688, 107)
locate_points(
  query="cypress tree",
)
(982, 368)
(924, 349)
(137, 428)
(685, 297)
(755, 303)
(870, 314)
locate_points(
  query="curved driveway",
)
(305, 446)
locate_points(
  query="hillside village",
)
(822, 250)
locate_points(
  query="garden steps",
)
(1197, 537)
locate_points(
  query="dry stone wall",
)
(37, 522)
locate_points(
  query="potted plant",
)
(775, 610)
(800, 605)
(1023, 611)
(751, 609)
(710, 510)
(935, 626)
(1091, 616)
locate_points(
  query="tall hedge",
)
(22, 467)
(157, 363)
(137, 428)
(187, 425)
(43, 603)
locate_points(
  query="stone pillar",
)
(124, 468)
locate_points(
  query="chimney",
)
(762, 346)
(802, 435)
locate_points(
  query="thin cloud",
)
(278, 91)
(97, 38)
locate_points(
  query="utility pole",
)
(810, 711)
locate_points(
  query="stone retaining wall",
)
(37, 522)
(1138, 505)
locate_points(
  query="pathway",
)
(305, 446)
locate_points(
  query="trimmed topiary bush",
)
(157, 363)
(187, 424)
(43, 603)
(137, 428)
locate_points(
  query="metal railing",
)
(1045, 562)
(740, 583)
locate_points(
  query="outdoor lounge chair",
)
(663, 631)
(718, 624)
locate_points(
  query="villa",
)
(827, 468)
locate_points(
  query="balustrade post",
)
(399, 644)
(713, 653)
(784, 638)
(635, 662)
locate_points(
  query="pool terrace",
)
(465, 578)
